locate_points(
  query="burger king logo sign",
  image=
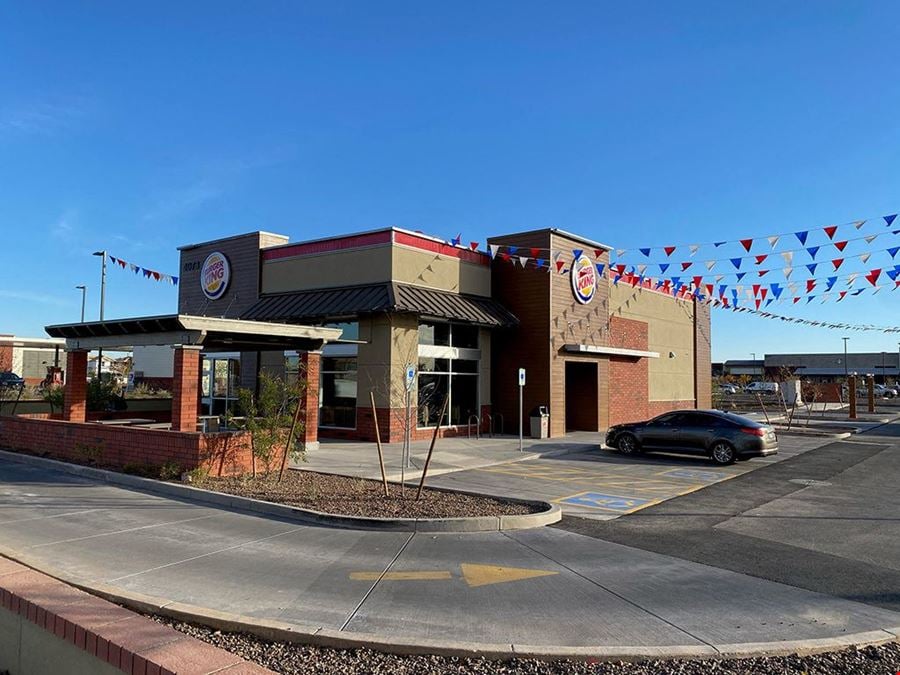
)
(215, 275)
(584, 280)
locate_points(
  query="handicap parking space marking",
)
(696, 475)
(597, 500)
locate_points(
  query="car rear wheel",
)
(722, 453)
(627, 444)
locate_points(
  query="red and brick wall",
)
(391, 424)
(6, 357)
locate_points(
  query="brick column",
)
(310, 367)
(75, 392)
(185, 388)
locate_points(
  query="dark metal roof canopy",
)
(336, 303)
(210, 333)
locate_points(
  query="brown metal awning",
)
(210, 333)
(348, 302)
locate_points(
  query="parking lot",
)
(603, 485)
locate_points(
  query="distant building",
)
(818, 367)
(29, 357)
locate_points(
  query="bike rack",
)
(491, 418)
(477, 426)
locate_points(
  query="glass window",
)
(350, 329)
(434, 334)
(429, 365)
(465, 337)
(463, 399)
(465, 366)
(337, 393)
(432, 391)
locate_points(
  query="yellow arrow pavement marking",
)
(401, 576)
(483, 575)
(475, 575)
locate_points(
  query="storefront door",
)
(581, 396)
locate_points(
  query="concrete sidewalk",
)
(450, 454)
(546, 591)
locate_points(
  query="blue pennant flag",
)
(802, 237)
(893, 251)
(889, 219)
(740, 275)
(857, 292)
(769, 302)
(616, 279)
(146, 272)
(893, 274)
(676, 286)
(895, 231)
(831, 281)
(737, 262)
(174, 281)
(539, 262)
(663, 267)
(676, 280)
(720, 243)
(659, 284)
(812, 267)
(812, 250)
(722, 290)
(645, 251)
(600, 267)
(512, 250)
(776, 290)
(457, 240)
(577, 253)
(809, 299)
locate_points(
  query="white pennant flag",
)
(865, 257)
(133, 267)
(825, 297)
(749, 294)
(877, 288)
(556, 255)
(788, 257)
(641, 269)
(793, 288)
(773, 240)
(719, 277)
(494, 248)
(694, 248)
(621, 252)
(524, 260)
(710, 264)
(859, 223)
(740, 288)
(851, 278)
(788, 271)
(869, 239)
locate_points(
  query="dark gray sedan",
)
(721, 436)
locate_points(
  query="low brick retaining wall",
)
(223, 454)
(48, 626)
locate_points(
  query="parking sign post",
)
(521, 388)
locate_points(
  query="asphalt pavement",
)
(547, 590)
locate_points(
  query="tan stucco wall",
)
(327, 270)
(670, 325)
(422, 268)
(374, 361)
(484, 379)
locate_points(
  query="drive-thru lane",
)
(544, 587)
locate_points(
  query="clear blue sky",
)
(138, 129)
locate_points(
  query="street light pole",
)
(846, 370)
(83, 290)
(102, 255)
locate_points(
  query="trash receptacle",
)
(540, 422)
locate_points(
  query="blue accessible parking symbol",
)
(596, 500)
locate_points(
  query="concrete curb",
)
(274, 630)
(550, 513)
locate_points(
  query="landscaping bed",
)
(290, 659)
(361, 497)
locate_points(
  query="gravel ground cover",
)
(290, 659)
(348, 496)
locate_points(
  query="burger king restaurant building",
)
(431, 320)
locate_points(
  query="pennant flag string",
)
(146, 272)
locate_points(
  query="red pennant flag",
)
(122, 263)
(810, 284)
(473, 245)
(633, 280)
(837, 262)
(760, 259)
(830, 230)
(872, 276)
(756, 288)
(796, 300)
(559, 265)
(598, 252)
(669, 250)
(763, 293)
(842, 294)
(620, 269)
(685, 265)
(535, 252)
(758, 303)
(747, 243)
(840, 245)
(504, 256)
(709, 289)
(698, 281)
(763, 273)
(155, 275)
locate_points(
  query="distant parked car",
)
(721, 436)
(9, 380)
(728, 389)
(766, 388)
(884, 392)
